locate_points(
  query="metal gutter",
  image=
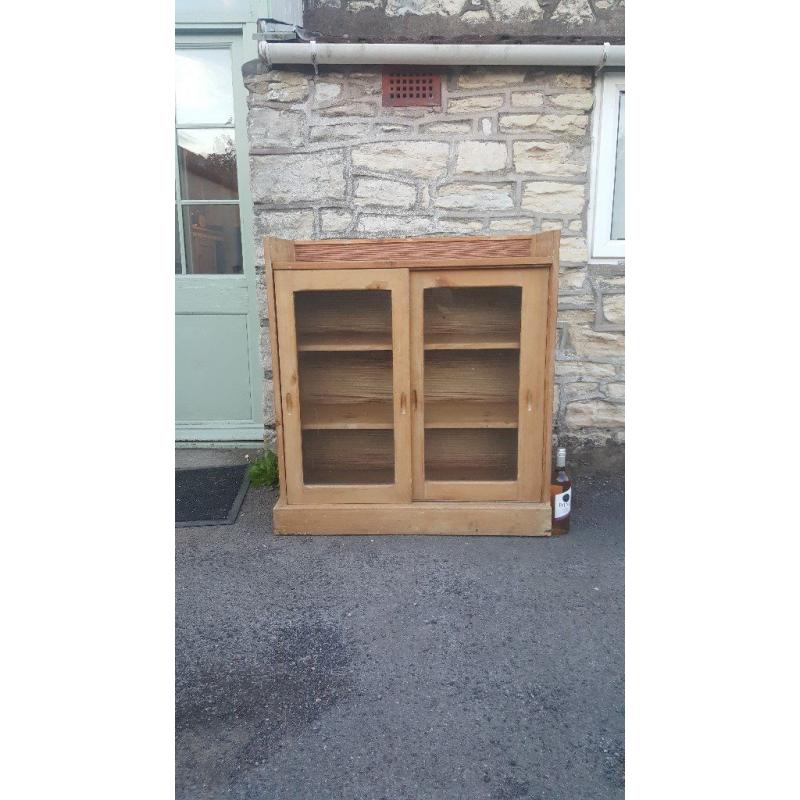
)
(545, 55)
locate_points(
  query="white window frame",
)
(610, 86)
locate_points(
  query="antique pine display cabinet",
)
(413, 383)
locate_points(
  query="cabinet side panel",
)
(269, 284)
(547, 245)
(533, 389)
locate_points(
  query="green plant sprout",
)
(264, 470)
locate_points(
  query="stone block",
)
(580, 390)
(393, 224)
(583, 370)
(547, 158)
(588, 343)
(281, 86)
(527, 99)
(616, 391)
(325, 92)
(511, 225)
(574, 300)
(298, 178)
(571, 279)
(573, 250)
(349, 110)
(379, 192)
(335, 221)
(573, 13)
(476, 103)
(576, 102)
(550, 81)
(511, 9)
(490, 78)
(479, 157)
(447, 128)
(342, 131)
(595, 414)
(614, 308)
(569, 124)
(420, 159)
(476, 17)
(476, 196)
(285, 224)
(458, 226)
(271, 127)
(445, 8)
(547, 197)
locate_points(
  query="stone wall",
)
(586, 21)
(507, 152)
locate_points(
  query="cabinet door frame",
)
(533, 383)
(287, 282)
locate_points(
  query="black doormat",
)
(210, 496)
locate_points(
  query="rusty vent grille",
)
(406, 87)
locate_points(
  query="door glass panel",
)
(344, 343)
(177, 245)
(203, 86)
(207, 164)
(471, 382)
(213, 239)
(618, 208)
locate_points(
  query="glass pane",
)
(618, 210)
(213, 239)
(203, 86)
(344, 342)
(177, 245)
(207, 164)
(471, 383)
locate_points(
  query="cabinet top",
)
(405, 253)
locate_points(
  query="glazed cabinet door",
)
(344, 367)
(478, 352)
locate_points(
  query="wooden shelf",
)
(476, 341)
(351, 476)
(446, 473)
(471, 415)
(377, 415)
(343, 341)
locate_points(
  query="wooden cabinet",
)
(413, 383)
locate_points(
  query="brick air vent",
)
(410, 87)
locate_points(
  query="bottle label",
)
(562, 504)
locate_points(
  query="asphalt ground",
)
(401, 667)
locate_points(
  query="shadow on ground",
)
(401, 667)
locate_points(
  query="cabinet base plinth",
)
(443, 519)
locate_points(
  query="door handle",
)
(530, 400)
(403, 403)
(289, 404)
(414, 400)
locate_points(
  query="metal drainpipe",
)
(545, 55)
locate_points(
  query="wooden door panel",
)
(478, 340)
(344, 372)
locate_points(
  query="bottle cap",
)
(561, 457)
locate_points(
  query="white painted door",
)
(218, 386)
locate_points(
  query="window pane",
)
(203, 86)
(207, 164)
(177, 245)
(213, 240)
(618, 210)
